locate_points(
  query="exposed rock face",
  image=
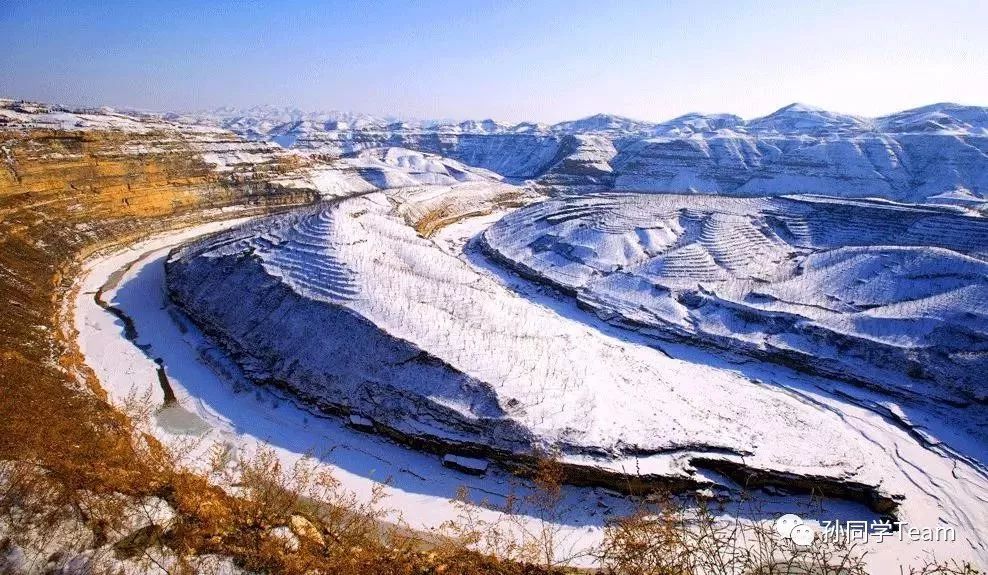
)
(882, 293)
(72, 183)
(938, 153)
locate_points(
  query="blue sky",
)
(541, 60)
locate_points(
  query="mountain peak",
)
(799, 107)
(603, 123)
(803, 118)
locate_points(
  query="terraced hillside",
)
(421, 346)
(883, 294)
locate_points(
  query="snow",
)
(934, 154)
(360, 422)
(39, 116)
(921, 155)
(383, 168)
(420, 487)
(642, 340)
(419, 490)
(523, 375)
(227, 156)
(800, 118)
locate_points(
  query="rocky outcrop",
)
(72, 184)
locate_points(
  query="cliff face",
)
(71, 184)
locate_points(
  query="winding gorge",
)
(789, 310)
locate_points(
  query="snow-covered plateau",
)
(352, 311)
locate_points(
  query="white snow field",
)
(351, 311)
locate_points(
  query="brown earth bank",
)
(66, 455)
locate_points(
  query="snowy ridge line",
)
(796, 117)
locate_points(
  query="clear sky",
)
(539, 60)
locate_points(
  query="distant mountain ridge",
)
(931, 154)
(793, 118)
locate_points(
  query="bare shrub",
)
(668, 537)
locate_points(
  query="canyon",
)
(790, 306)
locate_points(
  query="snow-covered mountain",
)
(937, 153)
(263, 119)
(604, 124)
(944, 117)
(802, 119)
(698, 123)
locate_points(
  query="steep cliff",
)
(71, 184)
